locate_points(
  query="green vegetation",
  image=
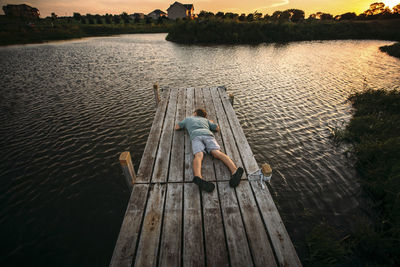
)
(374, 132)
(20, 31)
(393, 50)
(231, 31)
(378, 22)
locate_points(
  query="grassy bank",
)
(393, 50)
(233, 31)
(374, 133)
(15, 31)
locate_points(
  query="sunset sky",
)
(67, 7)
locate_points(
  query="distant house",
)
(156, 14)
(21, 11)
(180, 11)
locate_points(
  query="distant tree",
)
(348, 16)
(117, 19)
(267, 17)
(375, 9)
(257, 15)
(53, 16)
(137, 19)
(285, 16)
(98, 19)
(220, 15)
(125, 17)
(396, 9)
(83, 20)
(276, 15)
(296, 15)
(76, 16)
(250, 17)
(91, 20)
(107, 19)
(242, 17)
(326, 16)
(231, 15)
(205, 14)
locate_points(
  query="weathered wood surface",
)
(170, 222)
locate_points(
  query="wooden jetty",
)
(170, 222)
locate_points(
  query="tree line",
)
(376, 10)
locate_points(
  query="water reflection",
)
(68, 109)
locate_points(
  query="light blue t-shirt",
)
(197, 126)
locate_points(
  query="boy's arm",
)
(180, 125)
(213, 126)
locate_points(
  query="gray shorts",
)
(204, 143)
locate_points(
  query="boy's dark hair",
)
(201, 112)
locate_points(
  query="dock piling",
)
(231, 98)
(127, 167)
(156, 92)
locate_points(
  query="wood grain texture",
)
(126, 243)
(193, 245)
(164, 149)
(281, 243)
(149, 153)
(170, 249)
(176, 170)
(149, 238)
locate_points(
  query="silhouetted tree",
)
(326, 16)
(276, 15)
(396, 9)
(267, 17)
(257, 15)
(107, 19)
(242, 17)
(77, 16)
(250, 17)
(220, 15)
(98, 19)
(296, 14)
(148, 20)
(375, 9)
(348, 16)
(117, 19)
(125, 17)
(231, 15)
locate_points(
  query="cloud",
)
(281, 3)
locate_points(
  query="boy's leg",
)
(236, 172)
(197, 160)
(225, 159)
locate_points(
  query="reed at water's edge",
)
(374, 133)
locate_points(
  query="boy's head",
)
(200, 112)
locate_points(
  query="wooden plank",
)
(188, 145)
(149, 153)
(256, 232)
(193, 245)
(216, 250)
(126, 243)
(226, 131)
(283, 247)
(170, 249)
(178, 142)
(239, 251)
(150, 236)
(221, 171)
(162, 161)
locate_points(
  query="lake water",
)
(69, 108)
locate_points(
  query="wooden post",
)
(156, 92)
(127, 167)
(231, 98)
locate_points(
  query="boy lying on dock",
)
(200, 132)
